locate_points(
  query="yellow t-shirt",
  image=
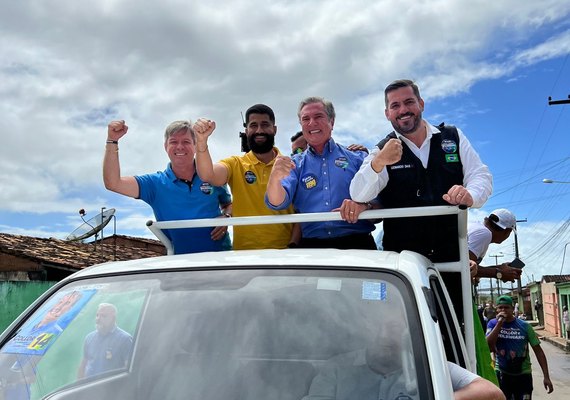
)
(248, 177)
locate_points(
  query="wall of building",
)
(15, 297)
(11, 263)
(550, 308)
(564, 300)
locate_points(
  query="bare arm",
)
(81, 369)
(126, 185)
(479, 389)
(296, 235)
(541, 358)
(509, 273)
(216, 174)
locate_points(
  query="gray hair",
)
(177, 126)
(329, 108)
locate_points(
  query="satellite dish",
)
(92, 226)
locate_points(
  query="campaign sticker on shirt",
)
(341, 162)
(451, 158)
(374, 291)
(206, 188)
(309, 181)
(449, 146)
(250, 177)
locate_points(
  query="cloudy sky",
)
(69, 67)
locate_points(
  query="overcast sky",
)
(69, 67)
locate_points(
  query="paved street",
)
(559, 366)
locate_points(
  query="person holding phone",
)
(495, 228)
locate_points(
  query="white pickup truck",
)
(265, 324)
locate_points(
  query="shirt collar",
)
(172, 177)
(250, 156)
(430, 131)
(329, 146)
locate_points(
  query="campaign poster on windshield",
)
(41, 331)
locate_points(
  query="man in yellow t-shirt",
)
(247, 176)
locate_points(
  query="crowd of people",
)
(417, 164)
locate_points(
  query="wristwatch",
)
(499, 275)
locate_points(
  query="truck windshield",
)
(221, 334)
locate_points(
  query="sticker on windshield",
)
(329, 284)
(374, 291)
(38, 334)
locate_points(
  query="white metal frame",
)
(461, 266)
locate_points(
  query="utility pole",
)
(498, 282)
(519, 282)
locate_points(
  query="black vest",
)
(412, 185)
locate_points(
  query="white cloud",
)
(68, 67)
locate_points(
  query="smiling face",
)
(316, 125)
(180, 148)
(404, 110)
(61, 307)
(260, 131)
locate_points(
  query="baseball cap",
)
(507, 300)
(503, 218)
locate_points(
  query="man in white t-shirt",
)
(495, 228)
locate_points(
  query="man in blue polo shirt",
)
(176, 193)
(318, 180)
(108, 347)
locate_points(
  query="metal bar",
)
(161, 236)
(306, 217)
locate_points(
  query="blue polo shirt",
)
(174, 199)
(320, 183)
(106, 352)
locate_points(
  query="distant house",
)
(27, 258)
(553, 300)
(30, 265)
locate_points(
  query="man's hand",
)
(458, 195)
(390, 154)
(548, 385)
(501, 317)
(219, 232)
(282, 167)
(203, 128)
(509, 274)
(350, 210)
(357, 147)
(473, 267)
(116, 130)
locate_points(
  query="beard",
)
(410, 126)
(261, 148)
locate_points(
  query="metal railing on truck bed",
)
(460, 266)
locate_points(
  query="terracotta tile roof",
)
(68, 254)
(109, 239)
(556, 278)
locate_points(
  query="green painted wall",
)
(15, 297)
